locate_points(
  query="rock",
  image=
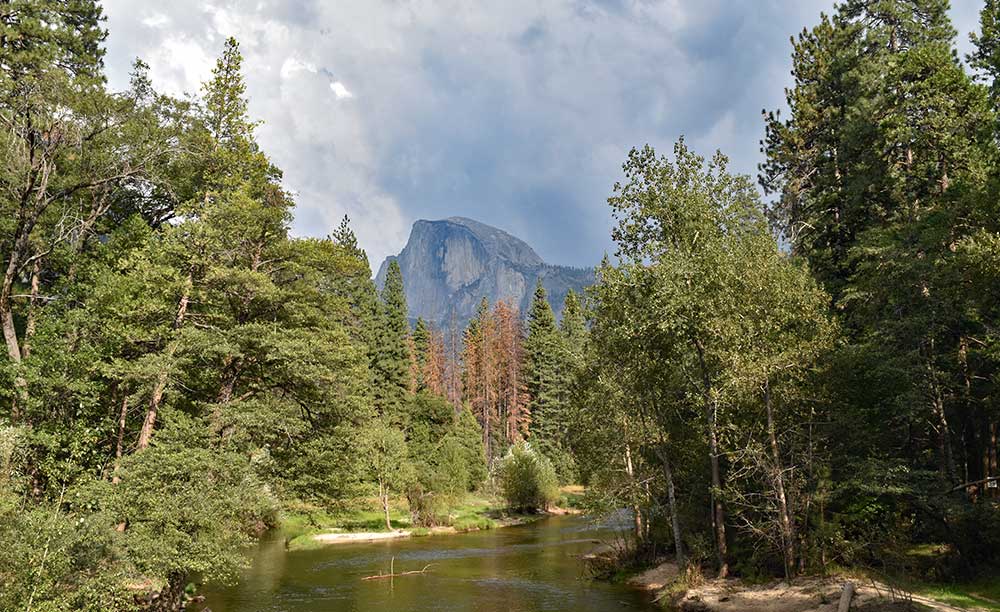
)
(449, 265)
(694, 604)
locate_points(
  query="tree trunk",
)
(845, 597)
(718, 511)
(940, 417)
(230, 374)
(7, 322)
(675, 521)
(149, 423)
(29, 327)
(974, 447)
(944, 434)
(787, 524)
(994, 460)
(6, 293)
(636, 509)
(383, 492)
(120, 442)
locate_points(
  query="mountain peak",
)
(449, 265)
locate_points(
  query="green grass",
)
(923, 559)
(571, 496)
(983, 593)
(299, 521)
(473, 523)
(371, 520)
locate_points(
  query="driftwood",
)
(845, 597)
(393, 574)
(974, 483)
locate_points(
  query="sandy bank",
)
(803, 595)
(656, 578)
(341, 537)
(371, 536)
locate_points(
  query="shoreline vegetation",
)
(304, 527)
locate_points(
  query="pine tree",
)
(453, 344)
(420, 349)
(393, 356)
(68, 145)
(359, 291)
(512, 392)
(877, 170)
(481, 378)
(546, 379)
(435, 365)
(573, 324)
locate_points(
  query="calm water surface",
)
(526, 568)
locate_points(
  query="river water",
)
(533, 567)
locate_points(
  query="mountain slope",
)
(449, 265)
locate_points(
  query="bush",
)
(527, 479)
(446, 450)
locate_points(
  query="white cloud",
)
(340, 90)
(179, 65)
(155, 20)
(293, 65)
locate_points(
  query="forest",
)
(777, 377)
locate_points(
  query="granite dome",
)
(449, 265)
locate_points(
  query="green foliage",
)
(188, 508)
(392, 361)
(53, 560)
(447, 455)
(549, 376)
(527, 479)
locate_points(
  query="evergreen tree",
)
(986, 56)
(573, 324)
(545, 372)
(393, 355)
(879, 171)
(420, 353)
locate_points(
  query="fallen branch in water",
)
(393, 574)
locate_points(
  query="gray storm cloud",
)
(518, 114)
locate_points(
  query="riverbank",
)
(491, 520)
(809, 594)
(306, 526)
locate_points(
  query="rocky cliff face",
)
(448, 266)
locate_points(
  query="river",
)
(531, 567)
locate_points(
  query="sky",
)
(518, 113)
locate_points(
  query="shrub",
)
(527, 479)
